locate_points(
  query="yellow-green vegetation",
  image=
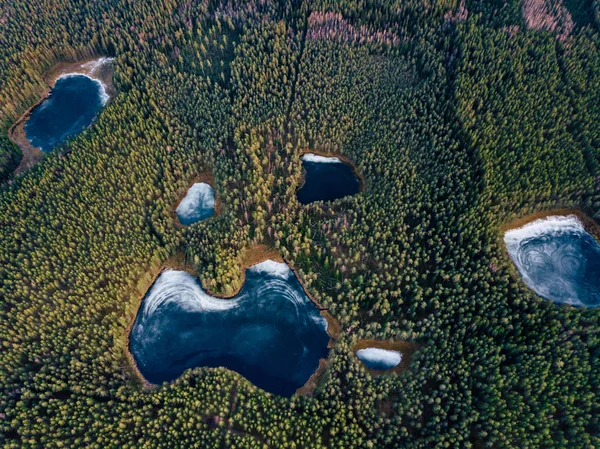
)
(10, 155)
(459, 116)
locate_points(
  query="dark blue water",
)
(326, 181)
(74, 102)
(558, 259)
(270, 332)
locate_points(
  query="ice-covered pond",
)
(71, 107)
(558, 259)
(378, 359)
(326, 179)
(197, 205)
(270, 332)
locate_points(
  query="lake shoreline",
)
(589, 224)
(253, 256)
(16, 133)
(362, 181)
(206, 177)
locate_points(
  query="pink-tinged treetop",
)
(548, 15)
(332, 26)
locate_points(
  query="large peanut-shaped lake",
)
(270, 332)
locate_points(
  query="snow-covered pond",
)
(379, 359)
(197, 205)
(558, 259)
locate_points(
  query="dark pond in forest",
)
(71, 107)
(327, 178)
(270, 332)
(558, 259)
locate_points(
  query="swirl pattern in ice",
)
(379, 359)
(198, 204)
(558, 259)
(270, 332)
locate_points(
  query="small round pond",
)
(378, 359)
(270, 332)
(558, 259)
(326, 179)
(71, 107)
(197, 205)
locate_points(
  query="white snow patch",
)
(199, 200)
(554, 224)
(379, 359)
(278, 269)
(321, 321)
(92, 66)
(311, 157)
(181, 288)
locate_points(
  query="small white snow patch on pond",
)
(273, 268)
(311, 157)
(379, 359)
(198, 204)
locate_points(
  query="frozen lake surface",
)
(558, 259)
(379, 359)
(198, 204)
(270, 332)
(71, 107)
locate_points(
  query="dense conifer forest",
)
(462, 115)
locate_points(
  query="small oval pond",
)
(197, 205)
(382, 357)
(379, 359)
(326, 179)
(558, 259)
(270, 332)
(71, 107)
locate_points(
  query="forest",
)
(462, 116)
